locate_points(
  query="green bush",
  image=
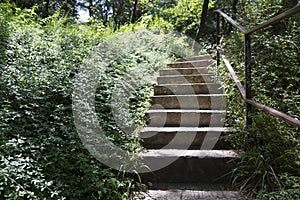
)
(42, 156)
(269, 165)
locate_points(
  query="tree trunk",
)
(234, 12)
(234, 9)
(203, 20)
(90, 8)
(47, 8)
(135, 10)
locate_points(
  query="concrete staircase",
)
(185, 158)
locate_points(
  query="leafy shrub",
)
(270, 149)
(42, 156)
(269, 165)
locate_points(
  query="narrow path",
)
(182, 134)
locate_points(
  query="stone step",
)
(190, 191)
(188, 195)
(200, 57)
(184, 71)
(196, 88)
(188, 166)
(192, 186)
(190, 64)
(178, 79)
(183, 137)
(196, 101)
(184, 118)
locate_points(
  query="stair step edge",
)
(184, 68)
(188, 195)
(184, 111)
(187, 129)
(188, 95)
(185, 75)
(189, 84)
(199, 57)
(200, 154)
(192, 186)
(191, 61)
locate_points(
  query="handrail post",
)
(218, 37)
(248, 78)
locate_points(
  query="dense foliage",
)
(46, 8)
(42, 48)
(42, 156)
(269, 166)
(184, 15)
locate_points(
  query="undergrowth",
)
(270, 149)
(42, 156)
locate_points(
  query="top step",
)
(200, 57)
(190, 64)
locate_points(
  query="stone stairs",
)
(185, 158)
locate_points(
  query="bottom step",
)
(188, 166)
(188, 195)
(189, 191)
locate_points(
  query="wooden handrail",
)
(265, 24)
(275, 113)
(247, 94)
(232, 73)
(241, 89)
(232, 21)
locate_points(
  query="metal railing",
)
(247, 93)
